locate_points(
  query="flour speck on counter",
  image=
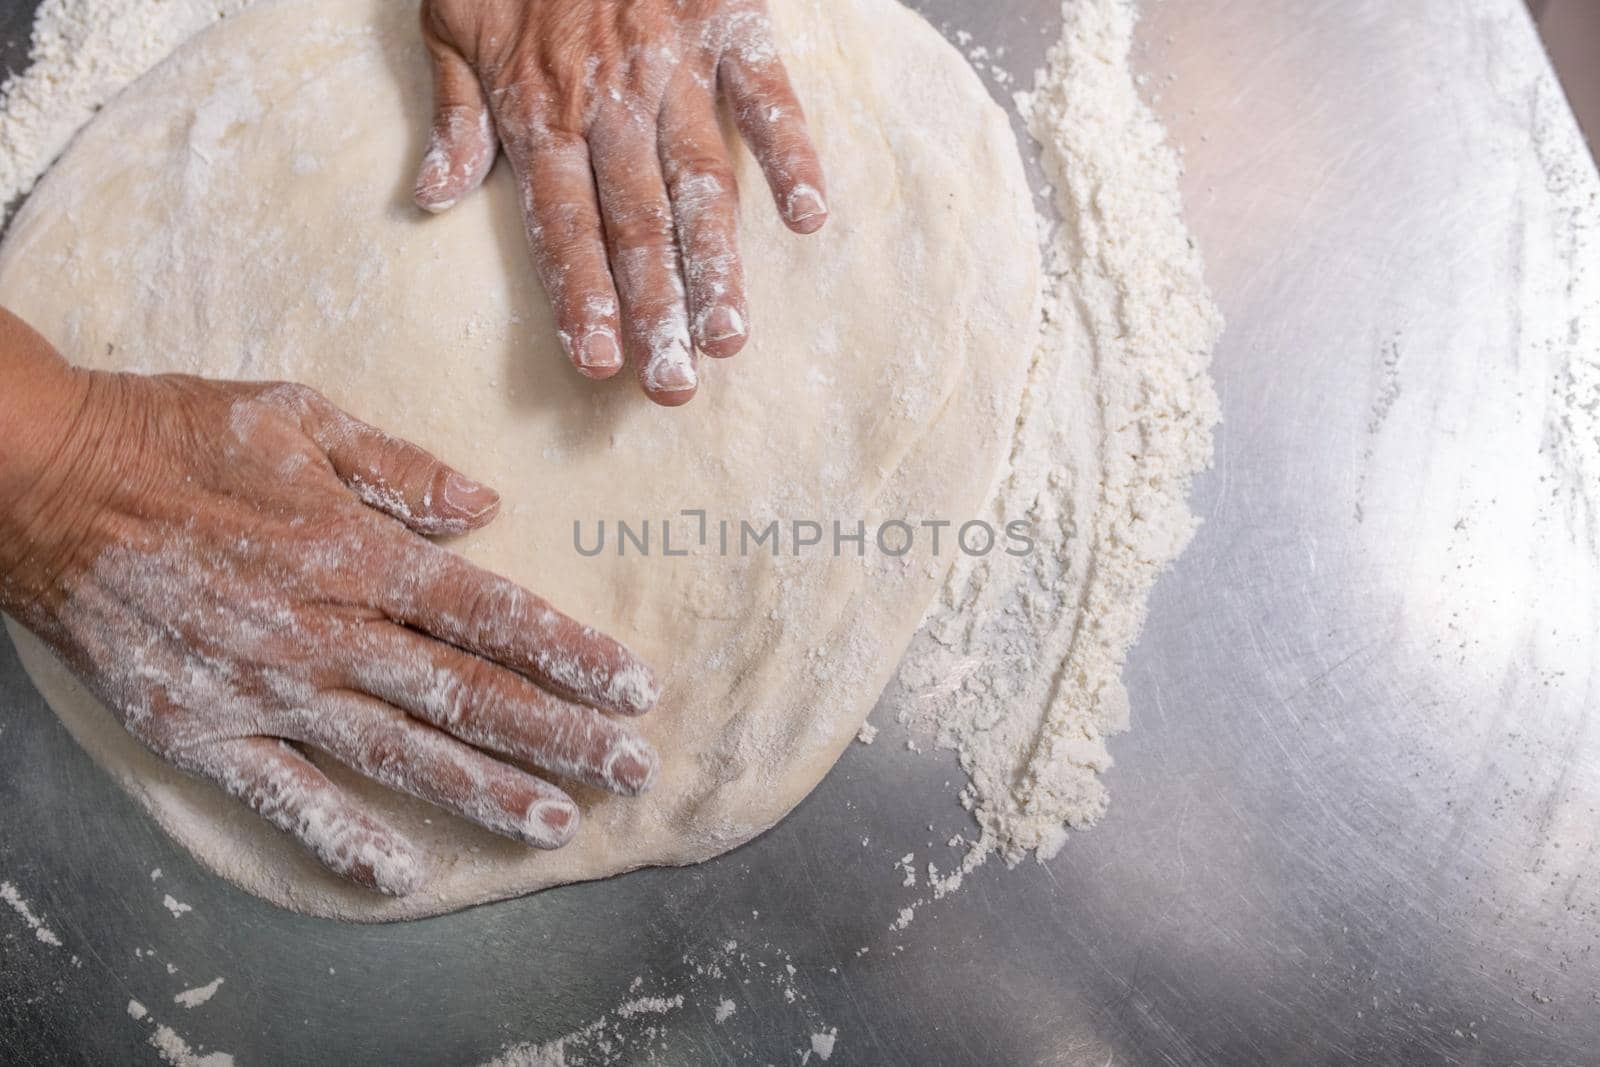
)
(24, 910)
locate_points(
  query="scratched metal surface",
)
(1356, 822)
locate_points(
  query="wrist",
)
(53, 421)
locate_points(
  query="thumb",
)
(389, 474)
(461, 143)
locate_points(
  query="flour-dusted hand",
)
(222, 564)
(607, 111)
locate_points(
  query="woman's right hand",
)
(241, 570)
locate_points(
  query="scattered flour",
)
(136, 1010)
(193, 998)
(175, 1050)
(1569, 276)
(177, 907)
(606, 1040)
(638, 1029)
(43, 933)
(649, 1006)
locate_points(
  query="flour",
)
(193, 998)
(643, 1027)
(172, 1048)
(1018, 667)
(83, 53)
(41, 932)
(168, 1043)
(1573, 416)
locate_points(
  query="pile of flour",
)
(1018, 668)
(1018, 665)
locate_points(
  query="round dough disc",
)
(243, 211)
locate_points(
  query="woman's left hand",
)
(607, 111)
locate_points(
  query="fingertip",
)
(721, 331)
(596, 354)
(432, 206)
(461, 150)
(672, 398)
(389, 865)
(809, 225)
(669, 376)
(631, 767)
(434, 191)
(551, 824)
(470, 505)
(632, 689)
(804, 209)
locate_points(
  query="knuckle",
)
(588, 303)
(292, 398)
(489, 608)
(646, 226)
(702, 185)
(460, 693)
(568, 231)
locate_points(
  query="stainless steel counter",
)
(1358, 820)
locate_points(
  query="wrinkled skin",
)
(240, 572)
(607, 112)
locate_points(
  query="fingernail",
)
(805, 204)
(723, 323)
(632, 766)
(430, 191)
(671, 368)
(467, 498)
(633, 689)
(553, 821)
(599, 351)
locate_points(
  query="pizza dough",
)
(243, 211)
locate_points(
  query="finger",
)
(705, 205)
(493, 708)
(562, 217)
(772, 122)
(389, 474)
(442, 594)
(284, 788)
(390, 747)
(644, 258)
(461, 141)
